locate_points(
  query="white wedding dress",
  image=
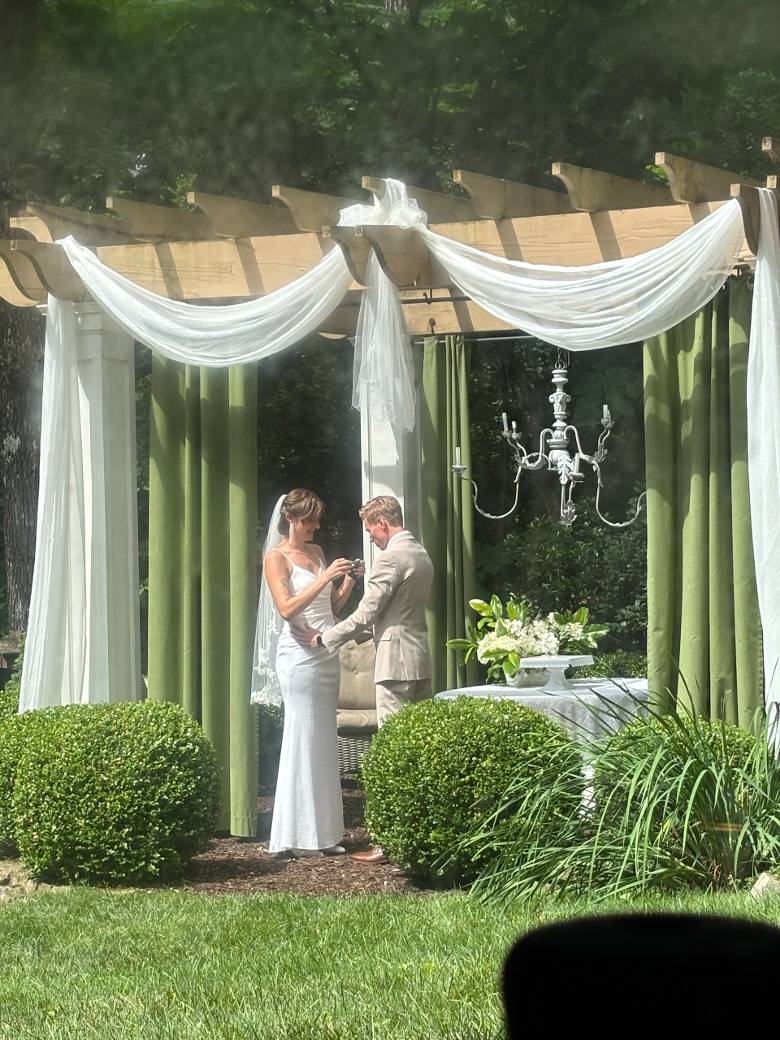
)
(308, 811)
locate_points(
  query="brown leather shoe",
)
(371, 856)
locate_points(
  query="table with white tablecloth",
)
(590, 709)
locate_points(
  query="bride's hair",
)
(299, 504)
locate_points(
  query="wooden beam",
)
(355, 247)
(160, 223)
(574, 239)
(693, 182)
(437, 205)
(51, 223)
(53, 269)
(9, 291)
(749, 203)
(224, 268)
(311, 210)
(20, 270)
(227, 268)
(771, 146)
(593, 190)
(237, 218)
(496, 198)
(449, 312)
(404, 257)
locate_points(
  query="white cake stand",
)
(556, 666)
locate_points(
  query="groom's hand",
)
(305, 635)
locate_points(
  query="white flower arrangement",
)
(505, 635)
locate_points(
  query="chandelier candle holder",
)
(560, 452)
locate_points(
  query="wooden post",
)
(106, 373)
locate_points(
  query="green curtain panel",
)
(203, 563)
(703, 636)
(447, 523)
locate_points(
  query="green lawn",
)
(92, 964)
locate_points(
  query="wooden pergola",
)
(227, 249)
(231, 249)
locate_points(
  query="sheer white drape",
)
(55, 651)
(265, 687)
(383, 379)
(763, 416)
(233, 334)
(605, 304)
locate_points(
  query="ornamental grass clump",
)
(436, 770)
(114, 793)
(676, 802)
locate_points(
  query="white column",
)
(105, 357)
(391, 465)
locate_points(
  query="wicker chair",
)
(356, 715)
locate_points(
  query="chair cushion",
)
(355, 720)
(357, 690)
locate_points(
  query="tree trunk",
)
(21, 377)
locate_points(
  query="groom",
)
(393, 610)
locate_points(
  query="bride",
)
(298, 589)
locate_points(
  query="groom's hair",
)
(382, 505)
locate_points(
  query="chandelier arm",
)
(500, 516)
(601, 451)
(575, 431)
(610, 523)
(541, 461)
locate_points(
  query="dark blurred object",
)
(610, 973)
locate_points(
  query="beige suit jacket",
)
(393, 606)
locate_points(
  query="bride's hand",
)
(337, 569)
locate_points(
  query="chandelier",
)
(560, 452)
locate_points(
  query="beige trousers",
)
(392, 695)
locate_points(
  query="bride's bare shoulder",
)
(276, 558)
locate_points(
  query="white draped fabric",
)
(619, 301)
(55, 653)
(383, 380)
(605, 304)
(763, 417)
(232, 334)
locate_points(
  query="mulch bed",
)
(241, 865)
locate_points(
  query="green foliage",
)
(9, 695)
(435, 770)
(270, 723)
(558, 569)
(114, 793)
(616, 664)
(15, 731)
(678, 802)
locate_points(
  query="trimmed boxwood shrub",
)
(437, 770)
(14, 733)
(114, 793)
(9, 695)
(9, 700)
